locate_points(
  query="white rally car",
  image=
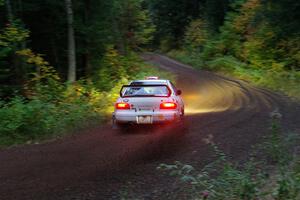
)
(148, 101)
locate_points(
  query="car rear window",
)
(145, 91)
(148, 83)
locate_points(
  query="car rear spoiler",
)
(152, 85)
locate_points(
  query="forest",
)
(64, 61)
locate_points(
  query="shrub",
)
(22, 120)
(222, 179)
(53, 108)
(218, 180)
(275, 78)
(196, 34)
(187, 57)
(247, 46)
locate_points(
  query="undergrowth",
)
(284, 81)
(276, 175)
(51, 108)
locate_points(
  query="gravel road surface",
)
(101, 163)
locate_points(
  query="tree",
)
(284, 15)
(171, 18)
(215, 12)
(133, 24)
(196, 34)
(71, 43)
(9, 11)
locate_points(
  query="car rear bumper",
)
(157, 117)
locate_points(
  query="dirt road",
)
(103, 164)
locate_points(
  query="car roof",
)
(146, 82)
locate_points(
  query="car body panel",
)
(146, 109)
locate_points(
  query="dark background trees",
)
(98, 25)
(255, 40)
(245, 29)
(171, 17)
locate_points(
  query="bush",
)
(278, 79)
(218, 180)
(222, 179)
(53, 108)
(115, 68)
(247, 46)
(187, 57)
(29, 120)
(226, 63)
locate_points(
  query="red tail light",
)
(122, 106)
(168, 105)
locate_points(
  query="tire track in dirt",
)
(99, 163)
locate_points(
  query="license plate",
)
(144, 119)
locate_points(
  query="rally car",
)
(148, 101)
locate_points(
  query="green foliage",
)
(218, 180)
(116, 68)
(43, 72)
(188, 57)
(135, 25)
(171, 18)
(23, 120)
(280, 80)
(12, 38)
(248, 46)
(288, 183)
(125, 25)
(215, 12)
(196, 34)
(278, 147)
(113, 69)
(49, 115)
(53, 108)
(45, 105)
(222, 179)
(283, 16)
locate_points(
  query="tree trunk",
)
(15, 65)
(9, 11)
(71, 43)
(118, 37)
(87, 56)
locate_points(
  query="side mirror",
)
(178, 92)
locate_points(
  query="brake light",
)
(168, 105)
(122, 106)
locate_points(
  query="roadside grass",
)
(287, 82)
(272, 172)
(53, 108)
